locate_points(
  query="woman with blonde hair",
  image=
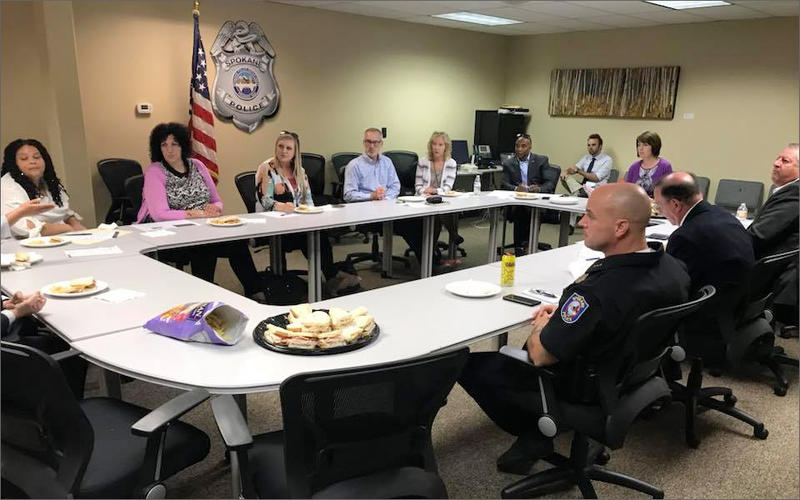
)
(436, 174)
(282, 185)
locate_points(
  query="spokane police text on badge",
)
(245, 89)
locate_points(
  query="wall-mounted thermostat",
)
(144, 108)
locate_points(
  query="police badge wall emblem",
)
(245, 89)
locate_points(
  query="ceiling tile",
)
(373, 9)
(415, 7)
(621, 7)
(520, 14)
(562, 9)
(672, 17)
(579, 24)
(728, 12)
(621, 21)
(774, 7)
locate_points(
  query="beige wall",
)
(339, 73)
(739, 78)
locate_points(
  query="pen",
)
(593, 258)
(78, 234)
(544, 293)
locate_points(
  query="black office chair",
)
(133, 186)
(352, 433)
(752, 337)
(114, 172)
(339, 162)
(703, 184)
(613, 176)
(405, 163)
(314, 165)
(619, 391)
(732, 193)
(54, 446)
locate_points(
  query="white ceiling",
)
(553, 17)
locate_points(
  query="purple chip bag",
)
(210, 322)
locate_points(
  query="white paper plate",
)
(216, 224)
(564, 200)
(309, 210)
(526, 196)
(470, 288)
(7, 259)
(43, 242)
(411, 199)
(99, 287)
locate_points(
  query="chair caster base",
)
(780, 389)
(155, 491)
(730, 399)
(760, 432)
(602, 458)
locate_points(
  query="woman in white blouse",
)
(28, 174)
(436, 174)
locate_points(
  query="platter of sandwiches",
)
(305, 209)
(228, 221)
(78, 287)
(20, 258)
(44, 241)
(453, 194)
(306, 331)
(520, 195)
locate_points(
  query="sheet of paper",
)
(118, 295)
(543, 298)
(99, 236)
(164, 225)
(158, 233)
(254, 221)
(275, 214)
(93, 251)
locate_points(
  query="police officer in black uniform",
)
(591, 319)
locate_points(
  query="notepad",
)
(93, 251)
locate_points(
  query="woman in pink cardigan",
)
(177, 187)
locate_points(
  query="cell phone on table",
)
(519, 299)
(658, 236)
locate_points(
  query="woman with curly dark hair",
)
(179, 187)
(28, 174)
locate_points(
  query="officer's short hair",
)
(596, 136)
(684, 192)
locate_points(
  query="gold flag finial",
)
(196, 9)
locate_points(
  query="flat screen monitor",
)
(460, 151)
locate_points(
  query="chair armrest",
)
(546, 423)
(521, 355)
(69, 353)
(230, 422)
(173, 409)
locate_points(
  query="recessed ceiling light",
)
(471, 17)
(680, 5)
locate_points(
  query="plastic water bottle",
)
(476, 186)
(741, 212)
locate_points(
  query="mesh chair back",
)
(246, 184)
(654, 332)
(340, 161)
(42, 424)
(703, 184)
(405, 163)
(613, 176)
(763, 276)
(731, 193)
(114, 172)
(133, 190)
(505, 156)
(353, 422)
(314, 165)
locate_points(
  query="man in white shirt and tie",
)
(594, 168)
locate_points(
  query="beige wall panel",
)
(739, 78)
(337, 73)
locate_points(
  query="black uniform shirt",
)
(595, 313)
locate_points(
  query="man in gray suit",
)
(530, 173)
(775, 230)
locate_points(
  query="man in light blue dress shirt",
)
(594, 167)
(372, 176)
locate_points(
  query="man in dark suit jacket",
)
(716, 250)
(529, 173)
(775, 230)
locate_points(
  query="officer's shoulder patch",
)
(573, 308)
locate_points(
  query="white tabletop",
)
(128, 243)
(407, 330)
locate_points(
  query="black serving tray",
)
(281, 320)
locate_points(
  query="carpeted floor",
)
(729, 463)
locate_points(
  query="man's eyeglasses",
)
(373, 143)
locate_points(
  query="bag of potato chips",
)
(209, 322)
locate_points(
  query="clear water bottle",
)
(741, 212)
(476, 186)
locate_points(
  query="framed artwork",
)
(615, 92)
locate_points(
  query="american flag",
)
(201, 123)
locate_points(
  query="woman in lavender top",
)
(650, 168)
(178, 187)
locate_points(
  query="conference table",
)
(109, 333)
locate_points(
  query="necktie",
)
(589, 170)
